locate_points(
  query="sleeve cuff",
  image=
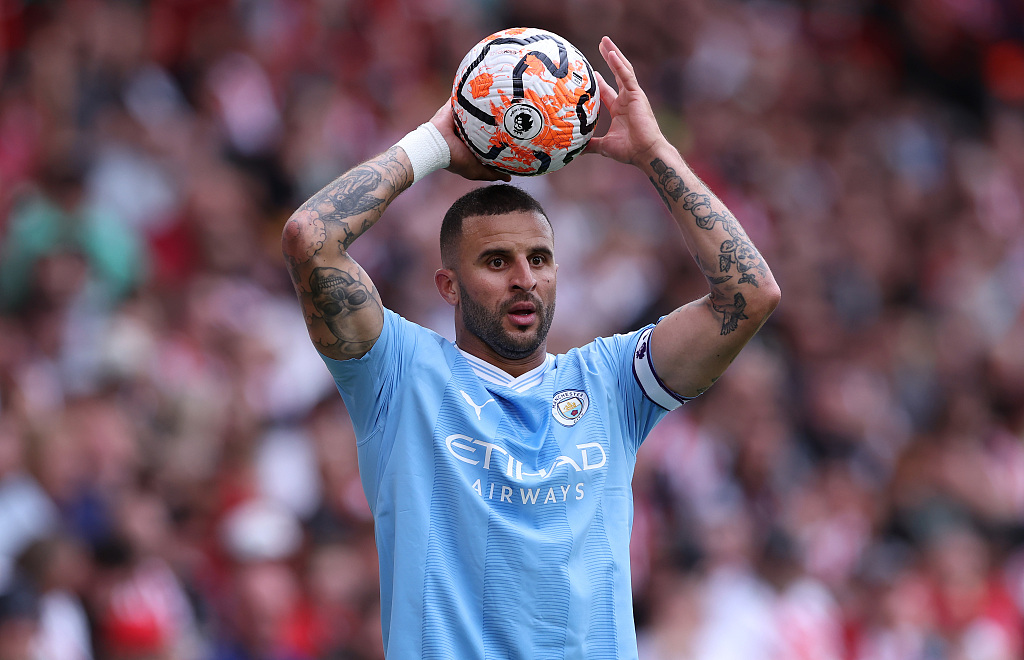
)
(652, 386)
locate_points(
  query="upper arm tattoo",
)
(336, 296)
(731, 310)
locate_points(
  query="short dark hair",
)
(497, 199)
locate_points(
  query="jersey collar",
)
(492, 374)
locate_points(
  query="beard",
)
(488, 326)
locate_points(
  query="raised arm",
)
(342, 308)
(343, 311)
(693, 345)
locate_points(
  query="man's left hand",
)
(634, 131)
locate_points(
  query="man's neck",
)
(514, 368)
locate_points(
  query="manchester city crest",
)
(569, 406)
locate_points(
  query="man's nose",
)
(523, 276)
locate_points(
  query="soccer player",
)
(499, 475)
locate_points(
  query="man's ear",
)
(447, 286)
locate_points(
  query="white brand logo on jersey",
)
(492, 456)
(475, 407)
(569, 406)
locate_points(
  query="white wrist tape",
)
(426, 149)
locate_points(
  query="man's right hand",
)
(464, 163)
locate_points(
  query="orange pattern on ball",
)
(481, 85)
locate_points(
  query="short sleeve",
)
(366, 383)
(643, 397)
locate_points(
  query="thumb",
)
(596, 146)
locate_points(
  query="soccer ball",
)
(525, 101)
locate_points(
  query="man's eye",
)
(538, 261)
(497, 262)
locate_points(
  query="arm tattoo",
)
(337, 295)
(699, 204)
(661, 192)
(706, 387)
(736, 251)
(732, 312)
(669, 183)
(305, 236)
(365, 191)
(360, 191)
(739, 251)
(710, 274)
(343, 310)
(350, 194)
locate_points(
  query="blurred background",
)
(177, 472)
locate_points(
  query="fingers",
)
(608, 93)
(608, 98)
(463, 162)
(615, 65)
(484, 173)
(443, 116)
(625, 76)
(608, 47)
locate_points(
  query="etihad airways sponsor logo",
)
(490, 456)
(505, 493)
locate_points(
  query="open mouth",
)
(522, 313)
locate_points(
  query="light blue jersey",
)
(502, 505)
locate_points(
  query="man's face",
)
(506, 278)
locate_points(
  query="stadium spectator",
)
(887, 389)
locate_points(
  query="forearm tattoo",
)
(669, 183)
(347, 207)
(737, 255)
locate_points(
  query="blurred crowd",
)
(177, 472)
